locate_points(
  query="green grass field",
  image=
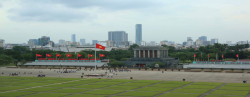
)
(77, 87)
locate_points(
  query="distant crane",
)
(44, 37)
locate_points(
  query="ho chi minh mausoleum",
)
(146, 55)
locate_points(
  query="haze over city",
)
(227, 20)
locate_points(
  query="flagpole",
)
(56, 57)
(77, 56)
(46, 56)
(95, 59)
(36, 56)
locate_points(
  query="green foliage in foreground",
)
(179, 95)
(226, 92)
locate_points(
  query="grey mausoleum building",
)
(146, 55)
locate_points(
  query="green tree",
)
(116, 64)
(160, 64)
(4, 59)
(133, 46)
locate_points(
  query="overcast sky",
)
(172, 20)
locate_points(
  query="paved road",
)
(141, 75)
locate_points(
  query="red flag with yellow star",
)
(68, 55)
(90, 55)
(102, 55)
(48, 55)
(99, 46)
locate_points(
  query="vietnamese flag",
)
(68, 55)
(194, 55)
(90, 55)
(48, 55)
(79, 55)
(38, 55)
(237, 55)
(99, 46)
(208, 55)
(102, 55)
(222, 56)
(58, 55)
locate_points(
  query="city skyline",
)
(165, 20)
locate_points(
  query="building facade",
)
(2, 44)
(94, 42)
(73, 38)
(229, 42)
(68, 43)
(61, 42)
(189, 42)
(204, 38)
(205, 43)
(31, 43)
(146, 55)
(44, 40)
(199, 42)
(164, 42)
(213, 41)
(138, 34)
(35, 41)
(118, 37)
(82, 41)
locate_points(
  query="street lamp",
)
(212, 66)
(157, 65)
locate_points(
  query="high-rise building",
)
(44, 40)
(228, 42)
(61, 42)
(94, 42)
(207, 43)
(35, 41)
(199, 42)
(241, 42)
(118, 37)
(204, 38)
(184, 43)
(164, 42)
(138, 34)
(31, 43)
(2, 43)
(213, 41)
(152, 43)
(51, 43)
(82, 41)
(189, 42)
(73, 38)
(189, 38)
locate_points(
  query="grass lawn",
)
(11, 88)
(139, 93)
(62, 85)
(200, 87)
(9, 83)
(11, 64)
(154, 89)
(69, 90)
(15, 94)
(91, 86)
(226, 92)
(238, 85)
(176, 82)
(166, 85)
(107, 83)
(179, 95)
(207, 83)
(81, 82)
(119, 80)
(40, 89)
(33, 84)
(135, 84)
(234, 88)
(103, 92)
(121, 88)
(222, 96)
(147, 81)
(52, 81)
(86, 95)
(191, 90)
(47, 95)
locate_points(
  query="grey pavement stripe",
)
(203, 95)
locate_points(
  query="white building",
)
(31, 43)
(199, 42)
(82, 41)
(189, 42)
(61, 42)
(108, 43)
(242, 42)
(152, 43)
(164, 42)
(2, 43)
(228, 42)
(213, 41)
(68, 43)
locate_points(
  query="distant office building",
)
(2, 43)
(68, 43)
(35, 41)
(31, 43)
(75, 44)
(73, 38)
(61, 42)
(51, 43)
(228, 42)
(82, 41)
(108, 43)
(189, 38)
(171, 42)
(184, 43)
(138, 34)
(213, 41)
(44, 40)
(205, 43)
(94, 42)
(118, 37)
(242, 42)
(204, 38)
(152, 43)
(130, 43)
(199, 42)
(189, 42)
(164, 42)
